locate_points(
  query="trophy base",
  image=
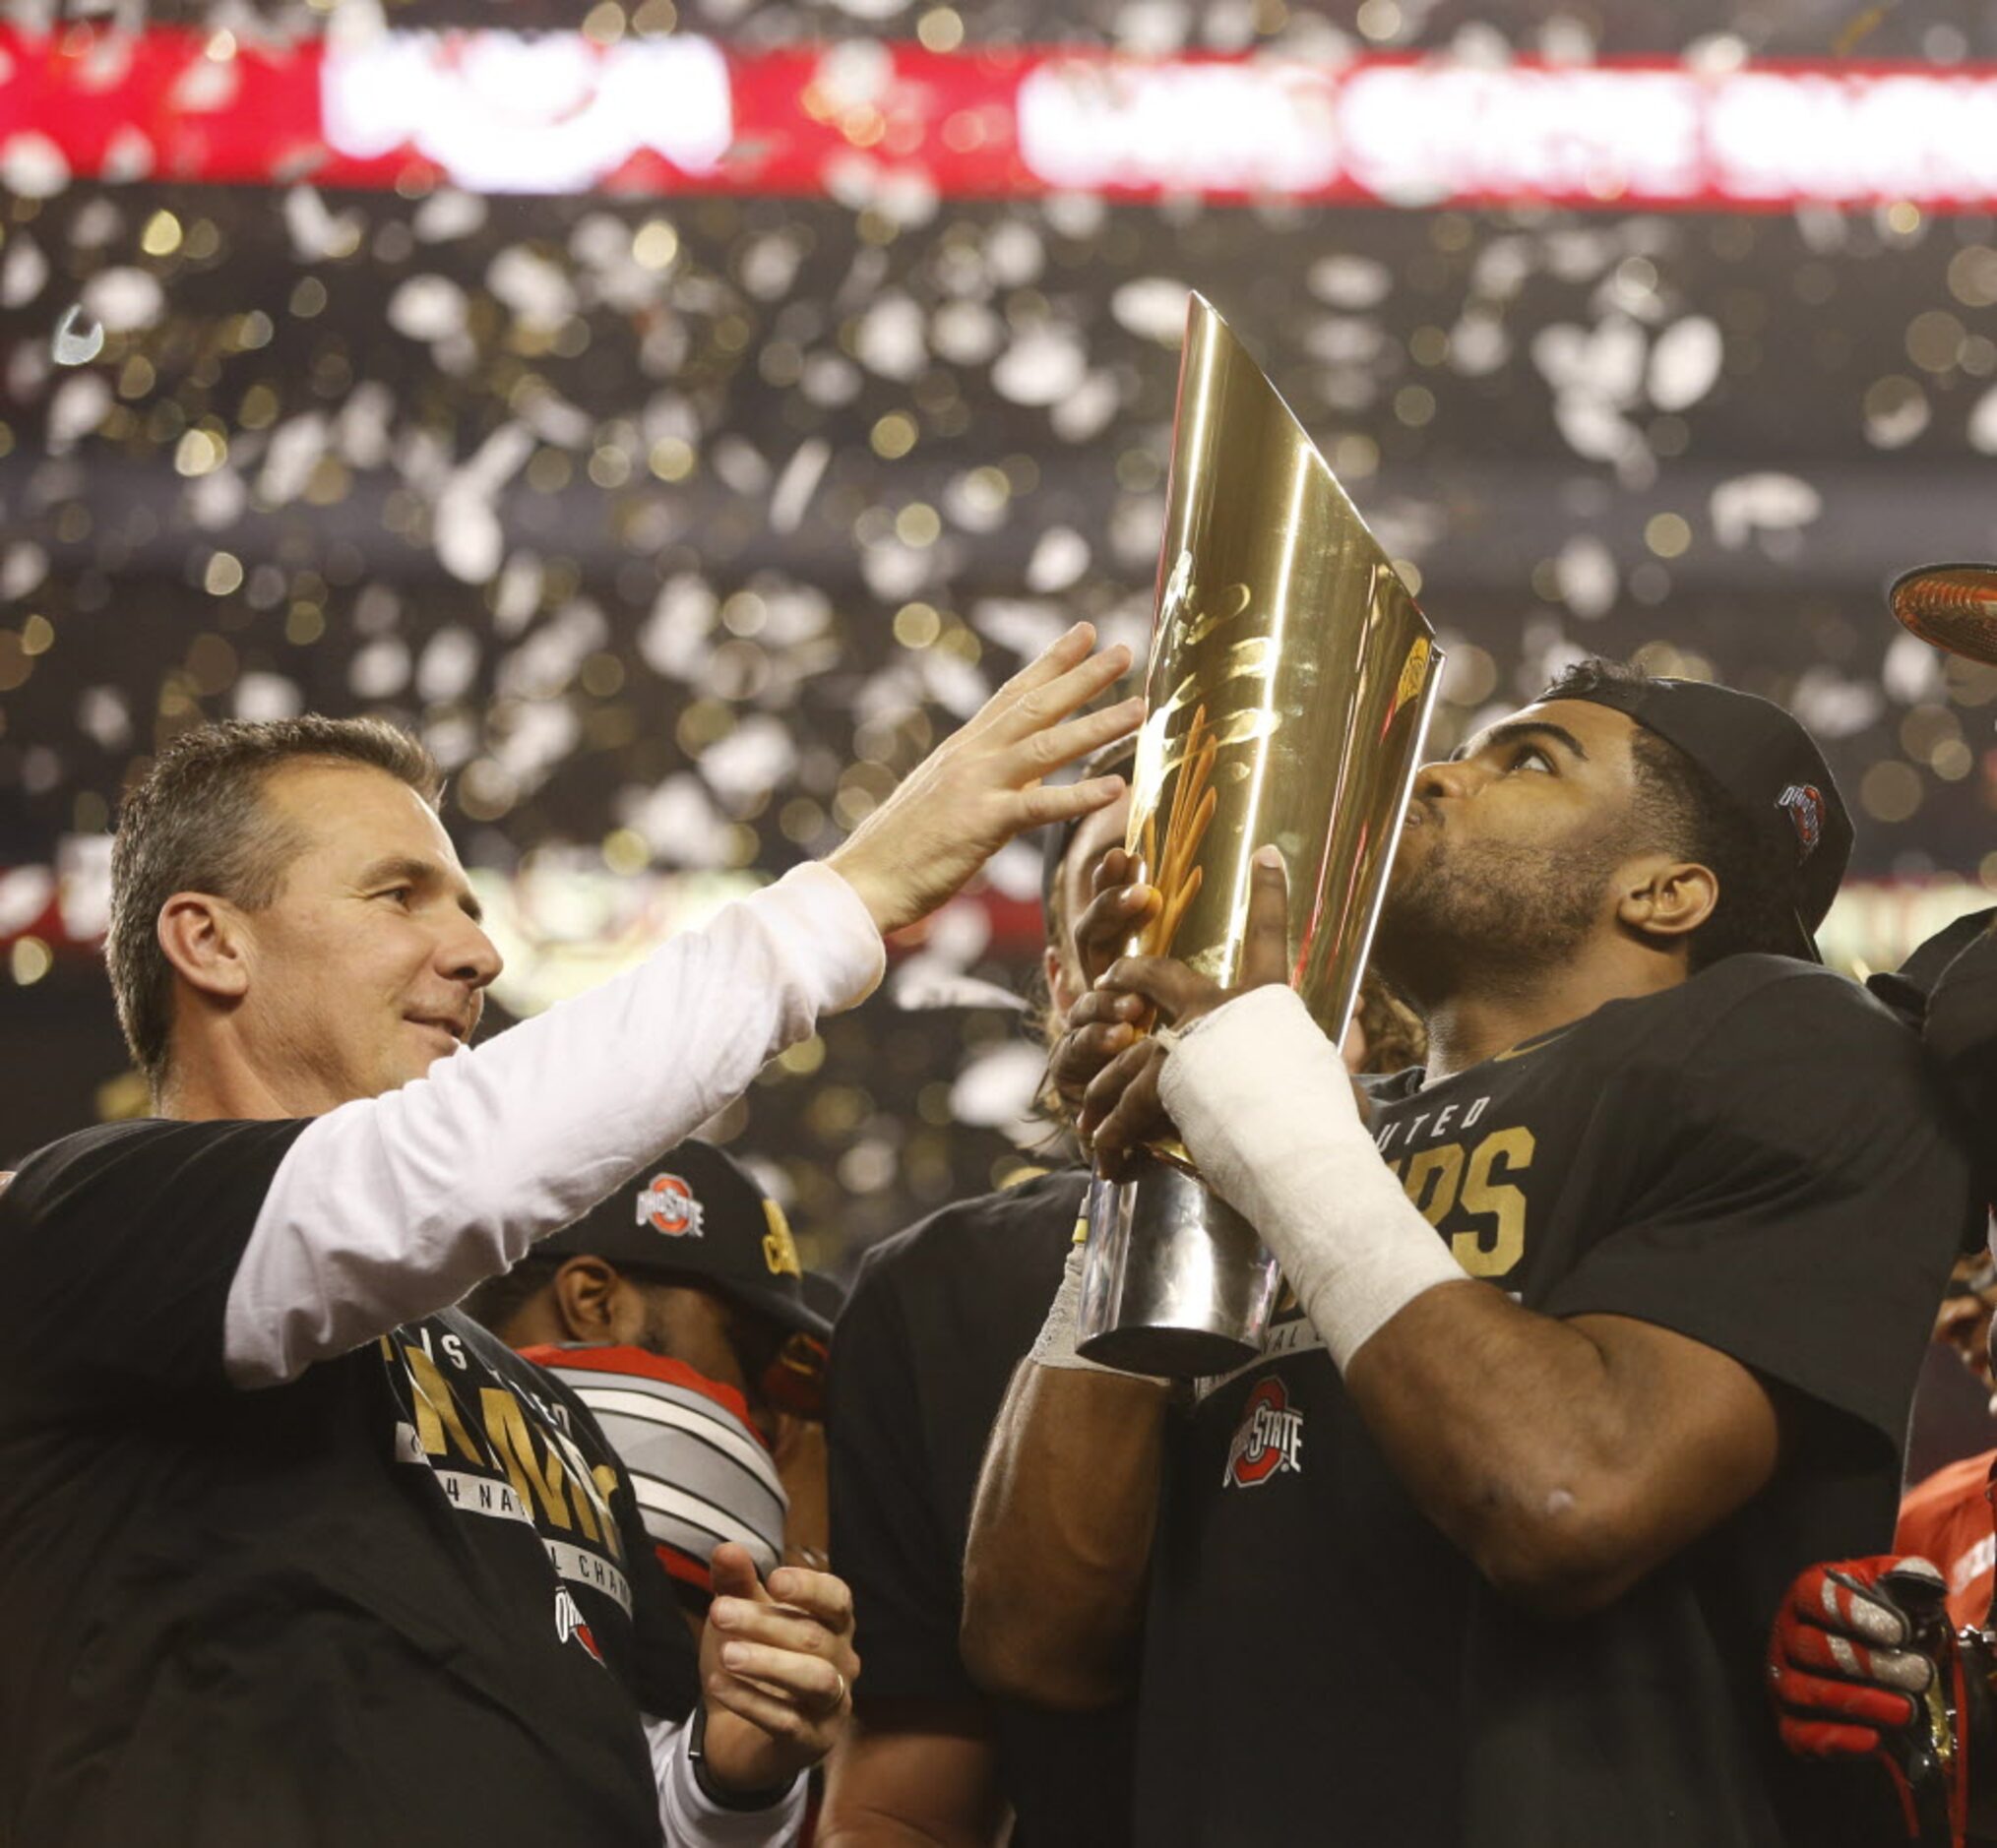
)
(1174, 1281)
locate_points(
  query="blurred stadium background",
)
(683, 412)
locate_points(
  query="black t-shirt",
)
(1956, 970)
(403, 1598)
(940, 1317)
(1752, 1159)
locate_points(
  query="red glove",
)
(1856, 1646)
(1836, 1661)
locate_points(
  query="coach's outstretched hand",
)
(982, 785)
(777, 1670)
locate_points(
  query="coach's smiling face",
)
(368, 964)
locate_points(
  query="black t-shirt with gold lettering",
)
(405, 1599)
(1753, 1160)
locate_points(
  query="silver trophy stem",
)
(1174, 1281)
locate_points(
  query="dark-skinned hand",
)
(1121, 1109)
(1102, 1025)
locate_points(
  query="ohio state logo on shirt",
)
(1269, 1440)
(570, 1625)
(667, 1205)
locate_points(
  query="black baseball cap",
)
(1764, 759)
(1055, 840)
(698, 1216)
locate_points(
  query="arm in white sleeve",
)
(689, 1818)
(1266, 1108)
(393, 1206)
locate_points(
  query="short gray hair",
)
(196, 822)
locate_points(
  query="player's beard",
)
(1481, 914)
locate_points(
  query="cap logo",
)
(779, 1249)
(667, 1205)
(1805, 805)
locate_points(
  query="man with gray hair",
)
(290, 1549)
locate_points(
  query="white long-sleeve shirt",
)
(392, 1208)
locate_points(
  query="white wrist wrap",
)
(1266, 1108)
(1055, 1344)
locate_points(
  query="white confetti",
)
(1153, 307)
(1348, 281)
(23, 272)
(124, 298)
(1059, 558)
(1685, 362)
(1040, 367)
(32, 166)
(1585, 570)
(890, 340)
(427, 308)
(264, 697)
(77, 408)
(1764, 503)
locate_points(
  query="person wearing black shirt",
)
(291, 1552)
(1602, 1326)
(1861, 1661)
(939, 1315)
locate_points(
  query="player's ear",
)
(207, 940)
(1666, 899)
(585, 1292)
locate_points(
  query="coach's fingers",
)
(1044, 751)
(1065, 677)
(1001, 715)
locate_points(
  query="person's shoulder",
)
(132, 1155)
(961, 1240)
(100, 1142)
(1748, 993)
(1774, 1034)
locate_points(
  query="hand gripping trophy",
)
(1290, 685)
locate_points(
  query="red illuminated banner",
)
(499, 111)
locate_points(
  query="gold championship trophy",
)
(1291, 681)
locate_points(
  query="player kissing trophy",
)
(1290, 686)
